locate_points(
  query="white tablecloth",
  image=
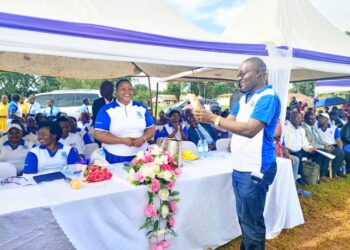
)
(107, 216)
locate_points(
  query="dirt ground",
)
(327, 221)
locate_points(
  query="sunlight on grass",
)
(327, 220)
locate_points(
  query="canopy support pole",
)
(156, 108)
(150, 93)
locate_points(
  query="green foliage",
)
(207, 89)
(306, 88)
(347, 32)
(67, 83)
(173, 88)
(141, 93)
(47, 83)
(11, 83)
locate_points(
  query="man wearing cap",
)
(14, 150)
(330, 134)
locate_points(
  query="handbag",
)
(311, 172)
(173, 147)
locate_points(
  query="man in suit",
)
(106, 91)
(201, 131)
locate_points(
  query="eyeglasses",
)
(242, 74)
(13, 179)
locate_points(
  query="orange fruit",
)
(75, 184)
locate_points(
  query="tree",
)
(306, 88)
(141, 93)
(16, 83)
(47, 83)
(173, 88)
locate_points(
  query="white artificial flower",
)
(165, 211)
(163, 194)
(158, 160)
(168, 176)
(159, 233)
(164, 159)
(140, 155)
(148, 171)
(131, 174)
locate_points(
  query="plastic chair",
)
(89, 148)
(7, 170)
(222, 144)
(190, 146)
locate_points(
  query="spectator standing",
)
(106, 91)
(51, 111)
(24, 106)
(84, 108)
(3, 113)
(293, 103)
(34, 107)
(14, 111)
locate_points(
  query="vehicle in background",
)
(214, 105)
(68, 101)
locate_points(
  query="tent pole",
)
(150, 93)
(156, 108)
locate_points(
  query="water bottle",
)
(205, 148)
(102, 153)
(200, 148)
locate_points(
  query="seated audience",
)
(162, 119)
(201, 131)
(314, 139)
(14, 150)
(70, 139)
(175, 128)
(50, 156)
(330, 135)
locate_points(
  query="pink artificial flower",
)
(170, 159)
(164, 243)
(156, 246)
(149, 158)
(134, 162)
(155, 186)
(150, 211)
(178, 171)
(171, 185)
(171, 221)
(172, 204)
(139, 177)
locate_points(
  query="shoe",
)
(304, 193)
(342, 175)
(301, 182)
(324, 179)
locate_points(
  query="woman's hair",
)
(173, 112)
(120, 81)
(55, 129)
(37, 116)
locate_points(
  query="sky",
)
(212, 15)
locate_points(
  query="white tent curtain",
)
(279, 65)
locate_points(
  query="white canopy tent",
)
(332, 86)
(295, 24)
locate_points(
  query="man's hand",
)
(203, 115)
(329, 148)
(311, 151)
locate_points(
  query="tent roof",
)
(332, 86)
(294, 23)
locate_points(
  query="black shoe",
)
(301, 182)
(342, 175)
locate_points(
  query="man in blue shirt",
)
(253, 122)
(51, 111)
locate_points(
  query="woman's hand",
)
(139, 141)
(128, 141)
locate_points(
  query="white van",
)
(68, 101)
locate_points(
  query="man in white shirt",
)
(330, 135)
(70, 139)
(296, 141)
(34, 107)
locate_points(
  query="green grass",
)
(327, 220)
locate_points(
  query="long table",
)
(108, 215)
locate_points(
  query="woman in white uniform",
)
(15, 149)
(123, 126)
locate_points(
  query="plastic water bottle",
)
(102, 153)
(205, 148)
(200, 148)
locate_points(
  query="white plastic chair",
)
(189, 145)
(222, 144)
(7, 170)
(89, 148)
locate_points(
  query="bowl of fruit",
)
(96, 174)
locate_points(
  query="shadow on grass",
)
(327, 220)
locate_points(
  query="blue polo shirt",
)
(41, 159)
(123, 121)
(256, 154)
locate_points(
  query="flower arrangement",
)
(157, 169)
